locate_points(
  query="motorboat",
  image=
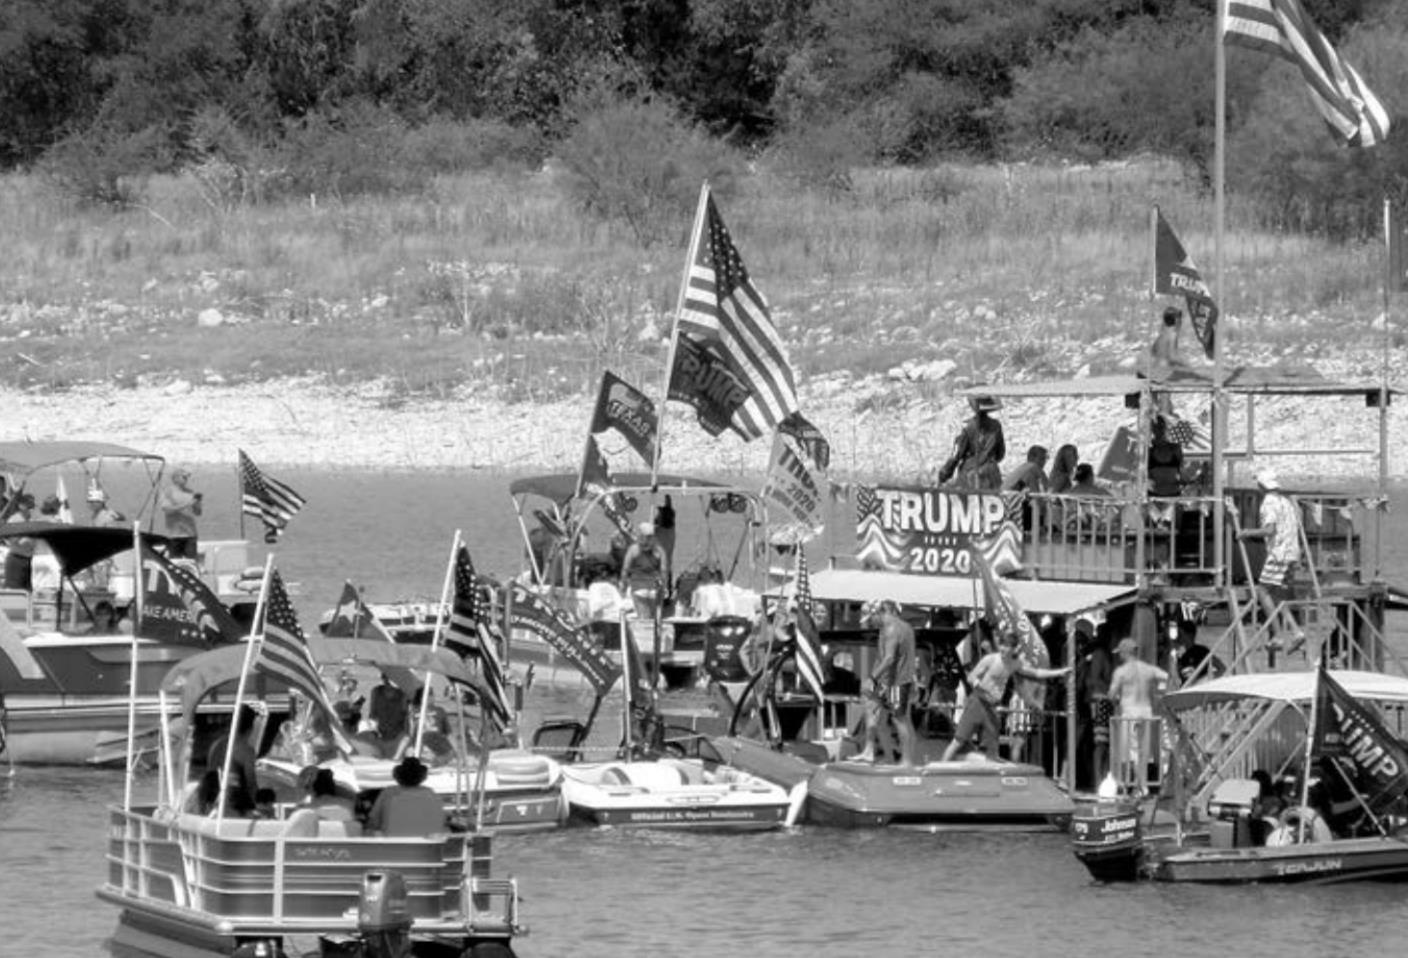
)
(673, 793)
(217, 886)
(1341, 814)
(574, 539)
(71, 655)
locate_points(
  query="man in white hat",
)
(181, 506)
(645, 571)
(102, 514)
(979, 448)
(1279, 524)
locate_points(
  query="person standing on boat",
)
(19, 558)
(987, 684)
(1279, 524)
(892, 684)
(243, 781)
(181, 506)
(978, 449)
(645, 571)
(1093, 706)
(1133, 687)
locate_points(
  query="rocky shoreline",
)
(885, 427)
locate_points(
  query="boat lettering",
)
(1311, 867)
(692, 799)
(1118, 824)
(694, 815)
(319, 852)
(907, 780)
(1017, 781)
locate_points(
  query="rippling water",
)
(812, 892)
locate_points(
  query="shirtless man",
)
(645, 571)
(987, 682)
(892, 683)
(1133, 687)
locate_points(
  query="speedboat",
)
(673, 793)
(191, 885)
(1346, 813)
(69, 656)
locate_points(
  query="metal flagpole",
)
(1219, 411)
(256, 635)
(626, 680)
(132, 674)
(1383, 388)
(675, 328)
(435, 640)
(1309, 748)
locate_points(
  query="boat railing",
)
(250, 875)
(1119, 538)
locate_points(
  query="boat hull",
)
(672, 794)
(1314, 863)
(938, 796)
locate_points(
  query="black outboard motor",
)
(263, 948)
(384, 915)
(1108, 840)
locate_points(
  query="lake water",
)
(810, 892)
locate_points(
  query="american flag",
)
(1280, 27)
(266, 499)
(809, 665)
(284, 652)
(726, 315)
(467, 623)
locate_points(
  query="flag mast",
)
(1383, 383)
(435, 641)
(694, 235)
(1219, 410)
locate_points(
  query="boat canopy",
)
(405, 665)
(24, 458)
(1281, 380)
(77, 547)
(1037, 596)
(1289, 687)
(562, 486)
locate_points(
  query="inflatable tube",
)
(1295, 820)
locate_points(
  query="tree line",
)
(98, 92)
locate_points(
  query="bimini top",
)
(1291, 687)
(77, 547)
(24, 458)
(405, 665)
(1281, 380)
(562, 486)
(1055, 598)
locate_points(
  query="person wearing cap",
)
(181, 506)
(978, 450)
(987, 684)
(1279, 524)
(892, 684)
(645, 571)
(102, 514)
(1133, 688)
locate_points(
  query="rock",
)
(179, 387)
(209, 318)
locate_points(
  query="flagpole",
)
(675, 327)
(626, 680)
(435, 639)
(1309, 747)
(255, 626)
(1383, 387)
(1219, 412)
(582, 466)
(132, 674)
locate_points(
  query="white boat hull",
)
(674, 794)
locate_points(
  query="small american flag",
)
(809, 665)
(467, 623)
(726, 315)
(268, 500)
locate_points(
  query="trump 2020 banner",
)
(793, 495)
(924, 530)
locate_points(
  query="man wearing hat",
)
(102, 513)
(181, 506)
(19, 558)
(1133, 688)
(645, 571)
(1279, 524)
(978, 449)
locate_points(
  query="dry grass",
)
(499, 280)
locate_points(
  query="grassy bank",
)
(500, 280)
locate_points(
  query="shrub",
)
(104, 166)
(446, 146)
(356, 149)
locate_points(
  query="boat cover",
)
(23, 458)
(1293, 687)
(77, 547)
(194, 677)
(562, 486)
(1037, 596)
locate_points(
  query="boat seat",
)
(645, 775)
(15, 604)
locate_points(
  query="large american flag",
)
(725, 314)
(267, 499)
(467, 623)
(283, 650)
(1281, 28)
(809, 665)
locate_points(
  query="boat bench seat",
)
(266, 828)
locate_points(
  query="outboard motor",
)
(263, 948)
(1108, 840)
(384, 915)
